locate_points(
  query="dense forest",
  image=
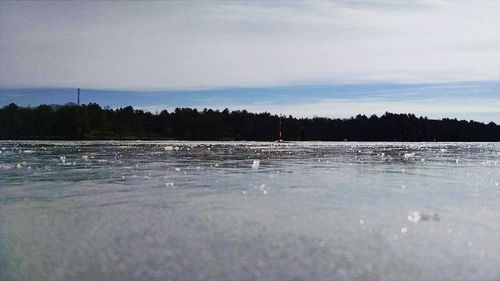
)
(93, 122)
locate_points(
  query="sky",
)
(317, 58)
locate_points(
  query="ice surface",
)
(118, 210)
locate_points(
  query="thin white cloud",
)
(347, 108)
(484, 110)
(185, 45)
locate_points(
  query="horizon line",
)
(200, 110)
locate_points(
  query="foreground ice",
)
(246, 211)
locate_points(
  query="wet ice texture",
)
(245, 211)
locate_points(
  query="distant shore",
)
(91, 122)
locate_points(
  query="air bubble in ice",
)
(416, 216)
(408, 155)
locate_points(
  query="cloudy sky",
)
(436, 58)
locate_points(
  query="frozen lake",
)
(246, 211)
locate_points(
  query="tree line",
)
(91, 121)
